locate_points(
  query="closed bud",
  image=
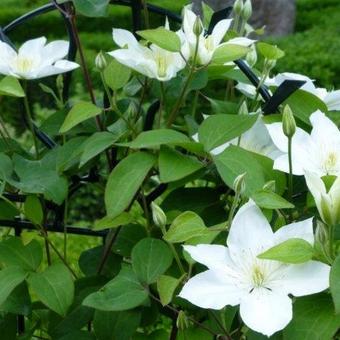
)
(326, 212)
(100, 61)
(198, 26)
(239, 184)
(158, 216)
(247, 10)
(243, 110)
(182, 321)
(321, 233)
(288, 122)
(238, 7)
(251, 57)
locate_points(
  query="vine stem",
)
(290, 181)
(179, 102)
(29, 119)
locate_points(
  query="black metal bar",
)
(20, 224)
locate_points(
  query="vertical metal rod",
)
(136, 8)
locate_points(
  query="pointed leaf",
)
(150, 259)
(293, 251)
(219, 129)
(173, 165)
(122, 293)
(166, 286)
(79, 112)
(125, 180)
(54, 287)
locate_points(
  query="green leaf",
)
(150, 259)
(222, 106)
(127, 238)
(54, 287)
(19, 301)
(10, 278)
(122, 293)
(79, 112)
(116, 75)
(108, 222)
(229, 52)
(270, 52)
(155, 138)
(91, 8)
(125, 180)
(33, 209)
(173, 165)
(14, 253)
(293, 251)
(184, 227)
(166, 286)
(40, 177)
(96, 144)
(313, 319)
(219, 129)
(90, 260)
(10, 86)
(235, 161)
(163, 38)
(116, 325)
(269, 200)
(303, 104)
(335, 283)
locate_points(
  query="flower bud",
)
(288, 122)
(243, 110)
(100, 61)
(239, 184)
(326, 212)
(182, 321)
(238, 7)
(158, 216)
(198, 26)
(321, 233)
(247, 10)
(251, 57)
(60, 83)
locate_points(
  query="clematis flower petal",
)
(302, 279)
(241, 41)
(220, 30)
(265, 311)
(324, 130)
(332, 100)
(212, 256)
(302, 229)
(250, 231)
(61, 66)
(54, 51)
(7, 54)
(32, 47)
(211, 290)
(124, 38)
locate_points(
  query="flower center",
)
(24, 64)
(209, 43)
(331, 162)
(161, 65)
(258, 276)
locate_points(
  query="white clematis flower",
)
(328, 203)
(318, 152)
(330, 98)
(256, 139)
(207, 44)
(153, 62)
(235, 275)
(35, 59)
